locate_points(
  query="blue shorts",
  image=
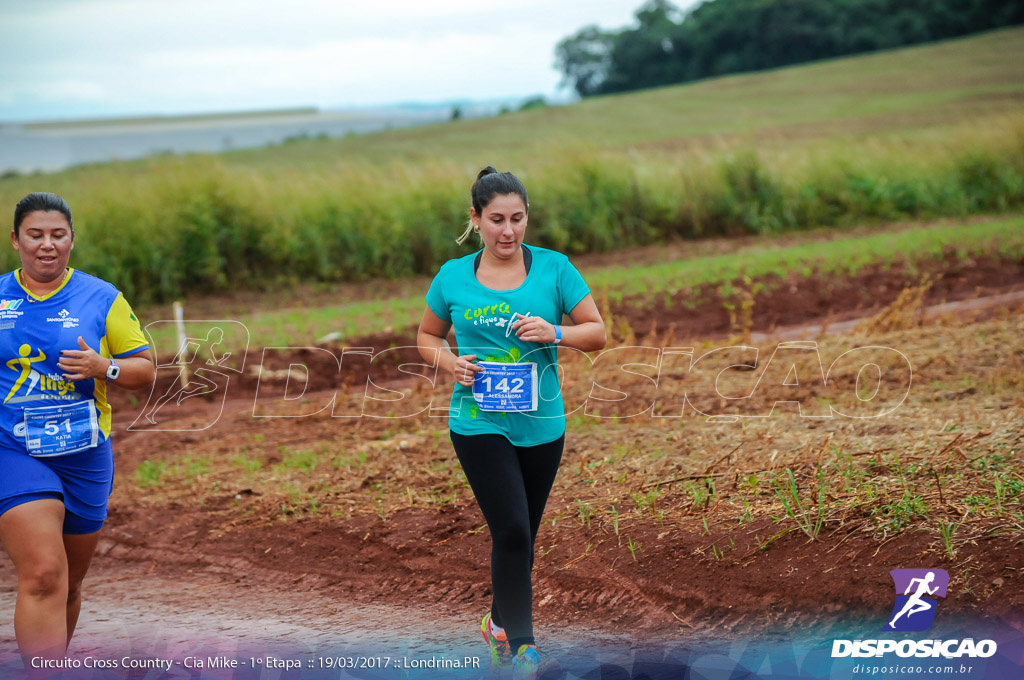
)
(83, 481)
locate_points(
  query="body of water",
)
(32, 147)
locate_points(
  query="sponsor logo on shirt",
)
(37, 385)
(9, 312)
(64, 318)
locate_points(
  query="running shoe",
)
(530, 665)
(501, 653)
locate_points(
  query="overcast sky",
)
(82, 58)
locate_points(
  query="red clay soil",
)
(438, 559)
(676, 580)
(791, 302)
(799, 300)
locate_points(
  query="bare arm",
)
(430, 340)
(587, 334)
(137, 370)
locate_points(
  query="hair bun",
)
(489, 170)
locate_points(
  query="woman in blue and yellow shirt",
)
(64, 336)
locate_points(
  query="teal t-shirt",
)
(480, 317)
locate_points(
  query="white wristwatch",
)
(113, 370)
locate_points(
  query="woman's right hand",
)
(464, 369)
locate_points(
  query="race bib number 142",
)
(506, 387)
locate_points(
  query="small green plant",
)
(246, 462)
(946, 531)
(646, 501)
(441, 498)
(586, 512)
(894, 517)
(615, 519)
(298, 460)
(349, 462)
(979, 502)
(787, 492)
(847, 469)
(747, 515)
(1006, 489)
(633, 547)
(702, 492)
(191, 466)
(149, 473)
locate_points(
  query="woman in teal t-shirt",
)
(507, 419)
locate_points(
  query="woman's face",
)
(44, 242)
(502, 224)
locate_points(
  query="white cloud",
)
(193, 55)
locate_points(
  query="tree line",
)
(730, 36)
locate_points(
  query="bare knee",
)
(44, 579)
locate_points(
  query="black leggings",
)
(511, 484)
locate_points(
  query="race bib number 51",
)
(61, 429)
(506, 387)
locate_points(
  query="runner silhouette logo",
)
(916, 589)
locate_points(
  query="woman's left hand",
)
(82, 364)
(533, 329)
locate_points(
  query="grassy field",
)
(904, 92)
(822, 252)
(922, 132)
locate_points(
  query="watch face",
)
(113, 371)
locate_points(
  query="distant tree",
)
(533, 103)
(647, 55)
(584, 58)
(728, 36)
(456, 112)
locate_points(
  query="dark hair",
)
(489, 183)
(40, 201)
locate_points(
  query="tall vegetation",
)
(173, 227)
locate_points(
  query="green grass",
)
(898, 514)
(298, 460)
(922, 132)
(149, 473)
(883, 92)
(247, 461)
(810, 521)
(840, 256)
